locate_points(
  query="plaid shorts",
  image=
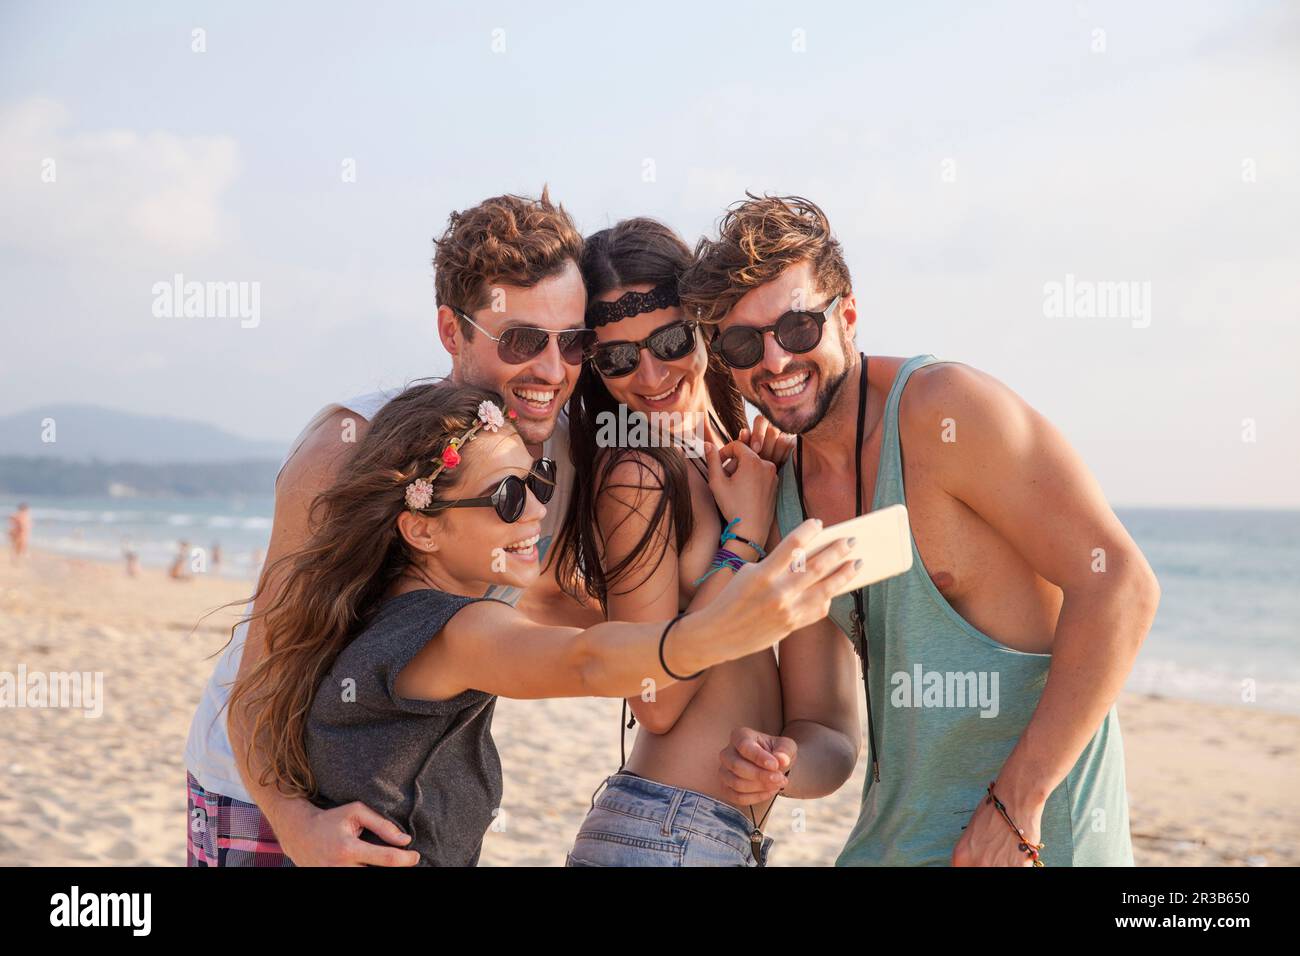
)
(224, 831)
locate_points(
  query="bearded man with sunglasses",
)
(511, 306)
(989, 670)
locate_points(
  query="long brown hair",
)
(633, 252)
(332, 587)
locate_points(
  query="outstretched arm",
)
(492, 647)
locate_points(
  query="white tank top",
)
(208, 754)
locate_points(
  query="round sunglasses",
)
(668, 343)
(511, 495)
(741, 347)
(519, 344)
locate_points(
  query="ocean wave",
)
(1168, 678)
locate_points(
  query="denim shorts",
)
(638, 822)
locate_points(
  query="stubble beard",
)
(826, 394)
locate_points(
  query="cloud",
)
(113, 194)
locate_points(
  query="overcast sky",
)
(968, 156)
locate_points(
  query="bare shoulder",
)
(322, 452)
(940, 398)
(483, 616)
(634, 467)
(629, 480)
(945, 381)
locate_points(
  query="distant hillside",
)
(50, 476)
(88, 433)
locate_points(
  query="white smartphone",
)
(882, 542)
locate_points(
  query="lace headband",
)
(662, 296)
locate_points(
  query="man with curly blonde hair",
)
(990, 669)
(510, 303)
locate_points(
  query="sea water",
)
(103, 528)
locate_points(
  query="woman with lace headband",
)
(383, 659)
(650, 533)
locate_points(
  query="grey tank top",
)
(431, 767)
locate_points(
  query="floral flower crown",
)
(419, 493)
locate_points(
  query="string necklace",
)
(862, 596)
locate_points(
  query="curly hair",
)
(505, 240)
(758, 239)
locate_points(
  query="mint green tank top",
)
(949, 703)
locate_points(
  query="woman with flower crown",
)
(384, 661)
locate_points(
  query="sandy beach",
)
(1208, 785)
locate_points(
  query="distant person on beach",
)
(180, 569)
(131, 557)
(20, 531)
(384, 658)
(214, 557)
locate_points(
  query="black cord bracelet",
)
(663, 663)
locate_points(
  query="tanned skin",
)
(1006, 519)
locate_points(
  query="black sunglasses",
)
(798, 332)
(510, 496)
(519, 344)
(668, 344)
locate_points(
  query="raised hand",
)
(767, 441)
(746, 490)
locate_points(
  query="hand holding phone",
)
(882, 542)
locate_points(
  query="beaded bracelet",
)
(1030, 849)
